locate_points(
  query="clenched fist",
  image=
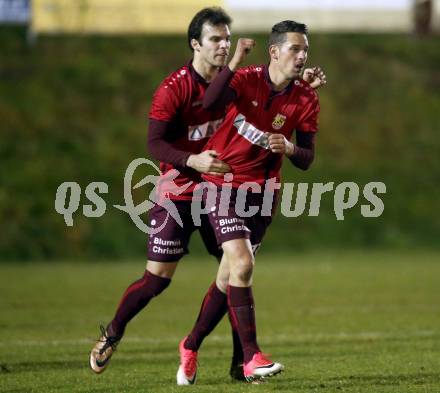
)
(244, 46)
(279, 144)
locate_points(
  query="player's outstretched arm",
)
(315, 77)
(244, 47)
(219, 94)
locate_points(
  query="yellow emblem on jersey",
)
(278, 121)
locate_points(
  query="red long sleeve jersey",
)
(257, 111)
(178, 101)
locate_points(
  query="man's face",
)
(292, 55)
(214, 44)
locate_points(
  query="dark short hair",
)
(213, 15)
(278, 34)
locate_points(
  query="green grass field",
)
(353, 322)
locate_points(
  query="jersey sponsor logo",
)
(251, 133)
(205, 130)
(278, 121)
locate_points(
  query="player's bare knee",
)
(242, 267)
(223, 273)
(222, 284)
(162, 269)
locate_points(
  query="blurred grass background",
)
(74, 108)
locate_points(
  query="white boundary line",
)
(273, 338)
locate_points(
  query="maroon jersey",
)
(257, 111)
(178, 101)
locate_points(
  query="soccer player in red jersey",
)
(178, 130)
(267, 104)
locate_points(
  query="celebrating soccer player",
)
(268, 103)
(179, 129)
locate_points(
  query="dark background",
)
(74, 108)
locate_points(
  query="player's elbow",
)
(304, 166)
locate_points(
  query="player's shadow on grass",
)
(354, 381)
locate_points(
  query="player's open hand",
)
(315, 77)
(207, 162)
(278, 143)
(244, 46)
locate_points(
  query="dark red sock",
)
(135, 298)
(214, 307)
(241, 307)
(237, 350)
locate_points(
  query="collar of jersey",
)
(273, 92)
(194, 74)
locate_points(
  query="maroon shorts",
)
(171, 243)
(228, 220)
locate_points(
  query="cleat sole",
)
(255, 380)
